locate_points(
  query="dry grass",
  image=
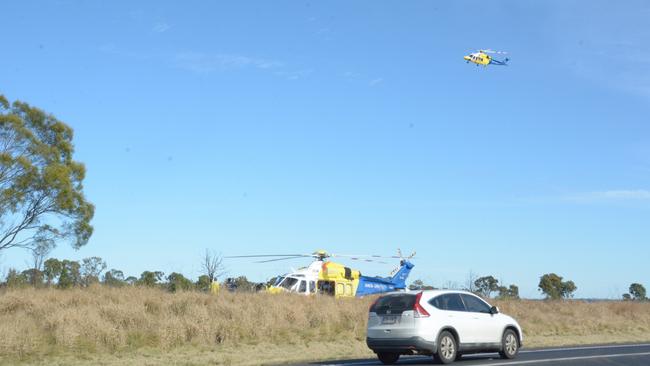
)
(548, 323)
(148, 326)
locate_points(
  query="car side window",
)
(475, 305)
(451, 302)
(436, 302)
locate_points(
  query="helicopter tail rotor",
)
(401, 262)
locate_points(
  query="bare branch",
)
(212, 265)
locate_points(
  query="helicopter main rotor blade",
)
(495, 52)
(268, 255)
(365, 256)
(278, 259)
(366, 260)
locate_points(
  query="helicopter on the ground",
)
(330, 278)
(482, 57)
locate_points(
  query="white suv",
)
(444, 324)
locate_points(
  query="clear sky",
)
(356, 127)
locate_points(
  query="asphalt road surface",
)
(624, 355)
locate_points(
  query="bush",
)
(555, 288)
(177, 282)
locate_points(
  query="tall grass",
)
(549, 323)
(103, 320)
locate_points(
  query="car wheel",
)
(447, 348)
(388, 358)
(509, 344)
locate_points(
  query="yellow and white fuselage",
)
(302, 281)
(479, 58)
(482, 58)
(319, 277)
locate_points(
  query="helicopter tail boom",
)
(374, 285)
(500, 63)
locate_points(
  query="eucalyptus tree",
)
(41, 187)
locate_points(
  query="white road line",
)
(586, 347)
(616, 355)
(550, 359)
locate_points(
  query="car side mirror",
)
(494, 310)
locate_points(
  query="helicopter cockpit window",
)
(288, 283)
(303, 286)
(312, 287)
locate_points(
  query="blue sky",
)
(254, 127)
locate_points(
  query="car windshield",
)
(288, 283)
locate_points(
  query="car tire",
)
(509, 344)
(447, 348)
(388, 358)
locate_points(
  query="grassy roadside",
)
(109, 326)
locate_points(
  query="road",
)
(623, 355)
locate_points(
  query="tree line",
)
(486, 287)
(64, 274)
(551, 285)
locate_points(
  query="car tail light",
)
(419, 311)
(373, 304)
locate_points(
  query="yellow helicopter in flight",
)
(482, 57)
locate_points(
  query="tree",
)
(203, 283)
(627, 297)
(508, 293)
(242, 283)
(41, 190)
(70, 274)
(52, 270)
(638, 291)
(114, 278)
(568, 288)
(416, 285)
(16, 279)
(150, 279)
(486, 285)
(33, 276)
(470, 285)
(39, 252)
(177, 282)
(91, 268)
(419, 285)
(131, 280)
(212, 265)
(554, 288)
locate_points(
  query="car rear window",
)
(393, 304)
